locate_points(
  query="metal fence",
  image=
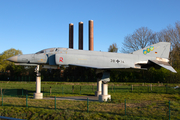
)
(163, 109)
(54, 89)
(147, 109)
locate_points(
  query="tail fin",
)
(160, 49)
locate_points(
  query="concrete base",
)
(38, 95)
(103, 98)
(97, 93)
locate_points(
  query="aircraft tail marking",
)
(160, 49)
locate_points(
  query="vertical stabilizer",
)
(160, 49)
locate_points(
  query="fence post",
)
(62, 90)
(151, 87)
(73, 89)
(1, 91)
(2, 99)
(169, 110)
(148, 88)
(125, 106)
(55, 102)
(27, 92)
(80, 90)
(22, 91)
(87, 104)
(132, 88)
(50, 90)
(26, 100)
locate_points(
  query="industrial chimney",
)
(71, 35)
(80, 35)
(91, 37)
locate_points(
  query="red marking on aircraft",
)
(61, 59)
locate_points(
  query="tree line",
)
(139, 39)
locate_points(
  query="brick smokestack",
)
(71, 35)
(91, 36)
(80, 35)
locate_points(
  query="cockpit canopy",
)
(51, 50)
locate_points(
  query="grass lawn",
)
(141, 102)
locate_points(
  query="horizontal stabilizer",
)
(165, 65)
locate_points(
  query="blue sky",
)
(33, 25)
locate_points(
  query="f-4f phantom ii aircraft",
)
(155, 55)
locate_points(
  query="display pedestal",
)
(104, 96)
(99, 84)
(38, 94)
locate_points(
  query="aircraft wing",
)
(25, 64)
(96, 67)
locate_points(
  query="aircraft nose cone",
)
(13, 59)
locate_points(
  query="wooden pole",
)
(132, 88)
(73, 89)
(1, 91)
(151, 87)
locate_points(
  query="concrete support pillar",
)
(71, 35)
(99, 84)
(91, 36)
(38, 94)
(104, 96)
(105, 89)
(80, 35)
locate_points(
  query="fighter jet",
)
(156, 55)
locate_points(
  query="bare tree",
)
(113, 48)
(173, 36)
(141, 38)
(170, 34)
